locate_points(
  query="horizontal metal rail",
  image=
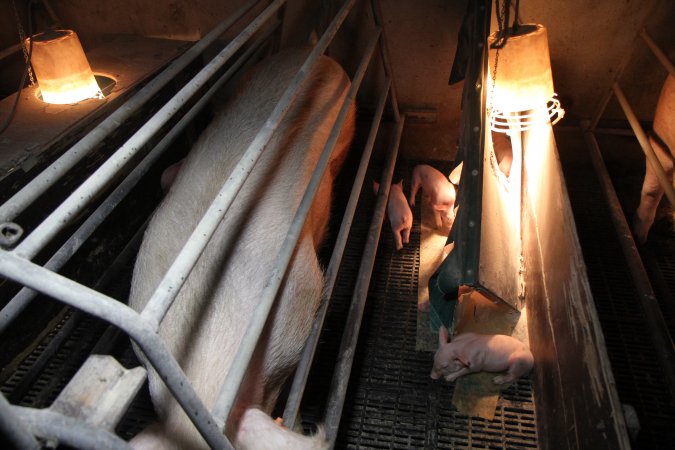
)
(14, 430)
(67, 430)
(230, 387)
(658, 330)
(125, 318)
(350, 336)
(23, 298)
(302, 371)
(44, 232)
(29, 193)
(652, 159)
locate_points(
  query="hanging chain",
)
(22, 41)
(501, 24)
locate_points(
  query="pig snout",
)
(438, 189)
(471, 352)
(663, 144)
(205, 325)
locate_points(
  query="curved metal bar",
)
(125, 318)
(230, 387)
(20, 201)
(34, 242)
(345, 358)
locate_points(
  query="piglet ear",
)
(442, 336)
(376, 186)
(434, 375)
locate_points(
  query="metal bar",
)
(384, 52)
(664, 181)
(20, 201)
(175, 277)
(662, 57)
(230, 388)
(9, 51)
(67, 430)
(658, 330)
(302, 371)
(125, 318)
(345, 359)
(23, 298)
(34, 242)
(14, 429)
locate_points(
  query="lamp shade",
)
(61, 67)
(523, 77)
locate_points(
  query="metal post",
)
(302, 371)
(665, 183)
(40, 184)
(339, 383)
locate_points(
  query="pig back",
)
(205, 325)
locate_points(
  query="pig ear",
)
(376, 186)
(442, 336)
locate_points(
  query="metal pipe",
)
(230, 388)
(175, 277)
(664, 181)
(662, 57)
(67, 430)
(14, 429)
(345, 359)
(34, 242)
(23, 298)
(384, 52)
(20, 201)
(302, 371)
(658, 330)
(125, 318)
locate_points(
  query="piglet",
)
(439, 190)
(472, 352)
(400, 215)
(663, 144)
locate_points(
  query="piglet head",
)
(446, 360)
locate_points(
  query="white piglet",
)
(439, 190)
(205, 325)
(400, 215)
(471, 352)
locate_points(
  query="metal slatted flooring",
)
(392, 402)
